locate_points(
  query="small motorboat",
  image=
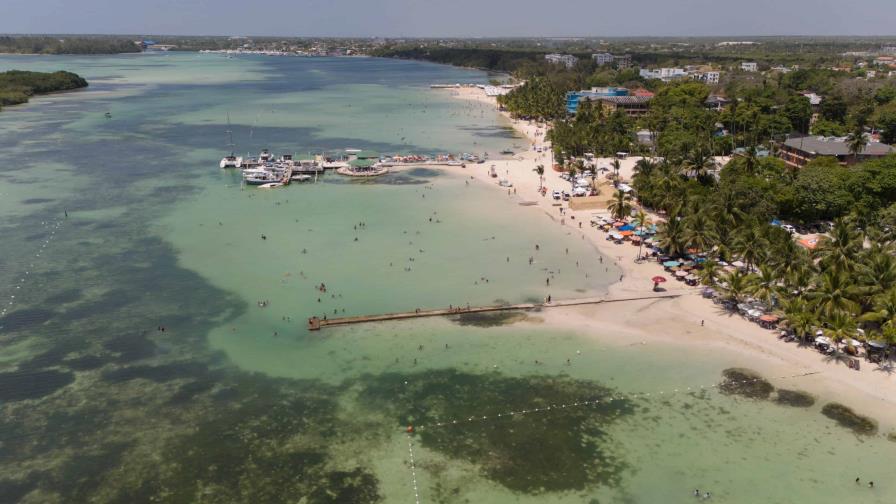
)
(301, 177)
(270, 185)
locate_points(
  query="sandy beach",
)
(690, 322)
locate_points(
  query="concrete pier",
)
(316, 323)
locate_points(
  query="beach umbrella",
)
(681, 273)
(670, 264)
(627, 227)
(657, 280)
(625, 233)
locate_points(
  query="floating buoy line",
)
(11, 300)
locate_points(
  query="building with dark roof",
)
(799, 150)
(633, 106)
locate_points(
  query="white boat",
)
(301, 177)
(265, 156)
(259, 176)
(270, 185)
(231, 161)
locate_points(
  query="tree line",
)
(18, 86)
(66, 45)
(846, 282)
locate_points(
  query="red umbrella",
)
(658, 279)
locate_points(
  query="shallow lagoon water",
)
(98, 404)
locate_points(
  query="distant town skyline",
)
(458, 18)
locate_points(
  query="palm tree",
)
(750, 244)
(856, 141)
(699, 232)
(840, 326)
(737, 285)
(671, 236)
(798, 280)
(786, 256)
(834, 294)
(572, 174)
(644, 167)
(877, 273)
(799, 317)
(698, 164)
(621, 205)
(884, 310)
(540, 171)
(751, 159)
(643, 221)
(839, 250)
(616, 167)
(709, 272)
(765, 285)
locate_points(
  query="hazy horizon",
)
(459, 19)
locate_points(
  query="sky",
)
(451, 18)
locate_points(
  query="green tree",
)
(798, 111)
(671, 236)
(621, 205)
(834, 108)
(737, 285)
(839, 250)
(856, 141)
(886, 120)
(834, 294)
(540, 171)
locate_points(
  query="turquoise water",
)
(234, 402)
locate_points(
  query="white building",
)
(664, 74)
(814, 99)
(711, 77)
(568, 60)
(602, 58)
(749, 66)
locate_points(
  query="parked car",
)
(787, 227)
(556, 195)
(565, 196)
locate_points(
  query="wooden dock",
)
(316, 323)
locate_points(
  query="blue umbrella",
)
(627, 227)
(670, 264)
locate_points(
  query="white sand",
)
(676, 321)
